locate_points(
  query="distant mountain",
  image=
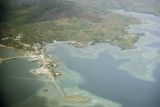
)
(52, 9)
(147, 6)
(84, 21)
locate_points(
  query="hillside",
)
(65, 20)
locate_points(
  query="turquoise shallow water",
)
(103, 78)
(129, 77)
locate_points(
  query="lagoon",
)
(129, 77)
(118, 78)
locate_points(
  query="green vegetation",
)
(68, 20)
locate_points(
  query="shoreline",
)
(46, 64)
(46, 68)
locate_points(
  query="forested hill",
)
(82, 21)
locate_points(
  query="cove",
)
(103, 78)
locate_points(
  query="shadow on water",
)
(103, 78)
(14, 89)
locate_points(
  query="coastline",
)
(47, 64)
(47, 67)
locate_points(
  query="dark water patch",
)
(35, 101)
(157, 76)
(17, 83)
